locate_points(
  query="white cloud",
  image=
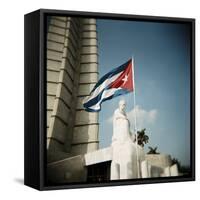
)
(144, 117)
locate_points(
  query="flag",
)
(117, 82)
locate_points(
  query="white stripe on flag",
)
(105, 94)
(101, 87)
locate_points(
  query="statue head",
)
(122, 105)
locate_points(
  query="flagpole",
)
(135, 119)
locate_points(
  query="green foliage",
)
(142, 137)
(153, 150)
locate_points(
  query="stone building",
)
(72, 71)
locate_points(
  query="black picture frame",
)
(35, 24)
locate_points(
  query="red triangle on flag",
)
(125, 80)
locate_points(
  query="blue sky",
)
(162, 61)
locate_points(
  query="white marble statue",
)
(124, 157)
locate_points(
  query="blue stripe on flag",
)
(117, 93)
(95, 100)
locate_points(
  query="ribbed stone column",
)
(55, 45)
(72, 72)
(85, 133)
(65, 85)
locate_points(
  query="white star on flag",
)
(125, 79)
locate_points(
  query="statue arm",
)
(133, 137)
(132, 134)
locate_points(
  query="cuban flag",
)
(117, 82)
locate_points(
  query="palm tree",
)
(153, 150)
(142, 137)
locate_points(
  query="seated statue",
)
(124, 158)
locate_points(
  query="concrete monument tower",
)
(72, 71)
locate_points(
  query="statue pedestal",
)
(124, 160)
(121, 167)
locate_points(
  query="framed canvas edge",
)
(42, 113)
